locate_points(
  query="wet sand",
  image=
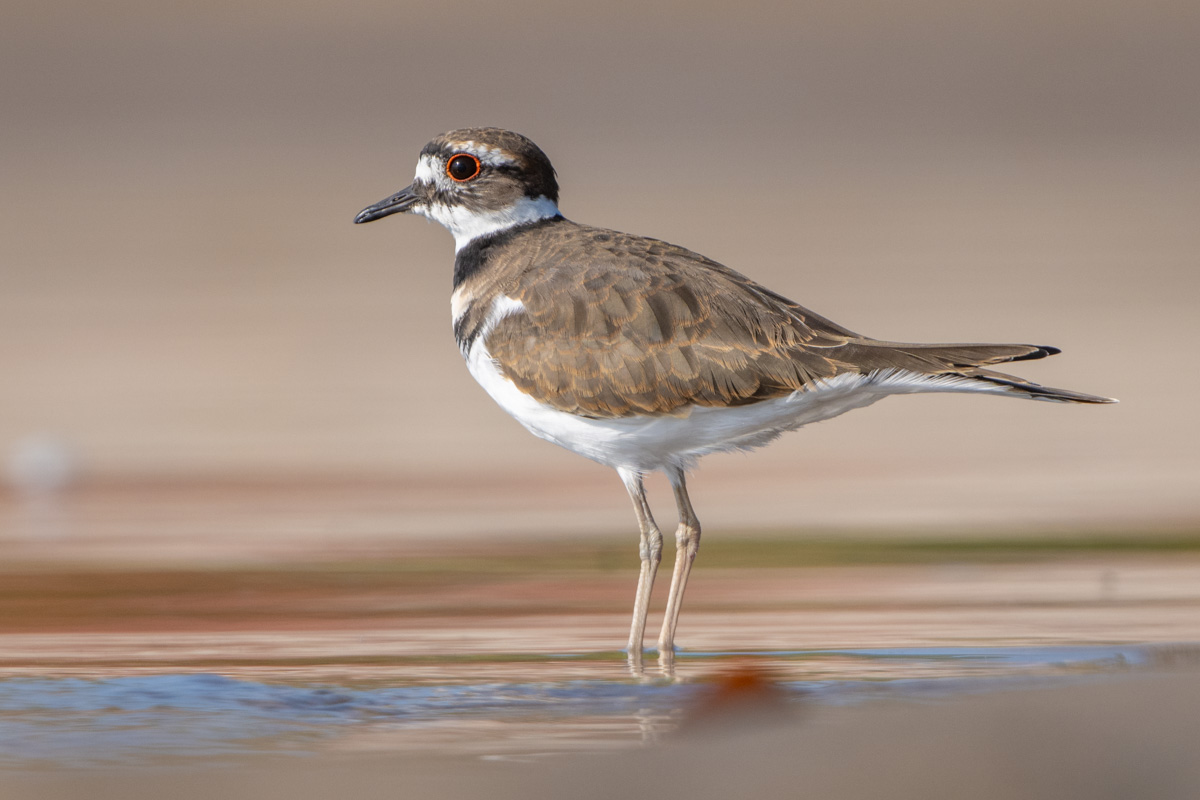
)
(903, 619)
(1132, 737)
(1117, 732)
(250, 664)
(78, 621)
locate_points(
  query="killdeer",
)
(645, 356)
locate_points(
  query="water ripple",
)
(77, 721)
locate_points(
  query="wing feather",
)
(624, 325)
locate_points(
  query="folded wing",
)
(669, 329)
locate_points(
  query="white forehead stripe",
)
(492, 156)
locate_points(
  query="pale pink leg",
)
(650, 550)
(687, 543)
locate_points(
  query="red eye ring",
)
(463, 167)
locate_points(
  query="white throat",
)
(467, 225)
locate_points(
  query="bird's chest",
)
(473, 317)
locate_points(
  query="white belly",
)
(645, 443)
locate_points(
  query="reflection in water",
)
(136, 718)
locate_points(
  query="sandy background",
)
(184, 301)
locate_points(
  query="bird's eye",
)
(463, 167)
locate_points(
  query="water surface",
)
(592, 705)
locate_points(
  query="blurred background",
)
(198, 349)
(236, 436)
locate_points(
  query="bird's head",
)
(475, 182)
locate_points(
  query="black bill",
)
(400, 201)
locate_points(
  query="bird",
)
(645, 356)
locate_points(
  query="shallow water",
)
(591, 706)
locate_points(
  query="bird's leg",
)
(687, 543)
(650, 550)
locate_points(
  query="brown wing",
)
(628, 325)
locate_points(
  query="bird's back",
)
(612, 324)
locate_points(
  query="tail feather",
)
(974, 355)
(970, 361)
(1035, 391)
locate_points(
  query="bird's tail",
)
(970, 361)
(1035, 391)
